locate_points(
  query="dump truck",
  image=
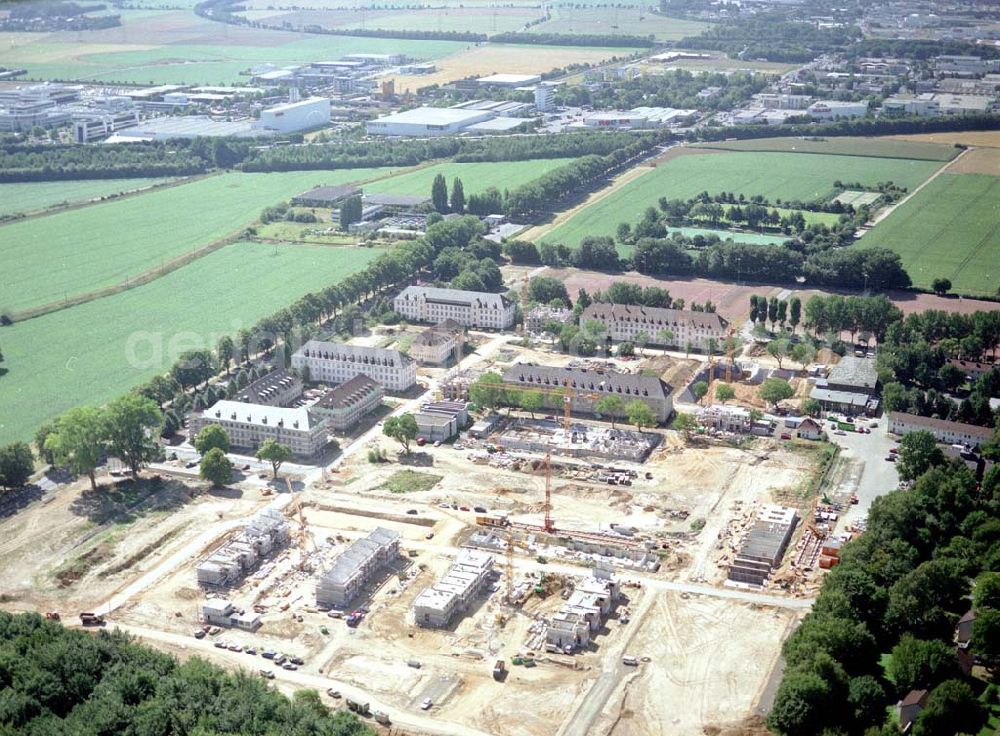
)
(362, 709)
(498, 669)
(91, 619)
(382, 717)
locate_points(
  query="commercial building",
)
(454, 592)
(436, 345)
(780, 101)
(335, 362)
(434, 427)
(344, 406)
(965, 66)
(292, 117)
(249, 425)
(426, 121)
(357, 567)
(277, 388)
(224, 613)
(952, 104)
(952, 433)
(327, 197)
(626, 322)
(545, 97)
(588, 386)
(924, 104)
(850, 388)
(476, 309)
(188, 126)
(228, 564)
(99, 125)
(536, 318)
(764, 546)
(640, 117)
(832, 109)
(509, 81)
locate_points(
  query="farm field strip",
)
(847, 146)
(774, 175)
(98, 350)
(76, 252)
(950, 229)
(472, 20)
(34, 196)
(633, 21)
(476, 177)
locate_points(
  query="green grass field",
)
(476, 177)
(609, 19)
(39, 195)
(878, 147)
(97, 351)
(950, 229)
(474, 20)
(774, 175)
(57, 256)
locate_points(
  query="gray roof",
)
(455, 296)
(544, 376)
(395, 200)
(349, 393)
(271, 383)
(839, 397)
(328, 194)
(856, 372)
(352, 353)
(944, 425)
(654, 316)
(353, 558)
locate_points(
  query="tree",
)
(812, 407)
(802, 704)
(639, 414)
(775, 390)
(16, 465)
(866, 698)
(351, 210)
(920, 663)
(685, 423)
(275, 453)
(803, 353)
(778, 349)
(439, 194)
(216, 468)
(488, 390)
(545, 290)
(918, 451)
(192, 367)
(531, 401)
(225, 349)
(699, 389)
(986, 594)
(78, 441)
(951, 708)
(665, 336)
(129, 426)
(457, 196)
(211, 437)
(160, 389)
(713, 345)
(610, 406)
(724, 392)
(403, 429)
(641, 340)
(941, 286)
(41, 435)
(794, 312)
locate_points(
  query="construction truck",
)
(382, 717)
(362, 709)
(499, 667)
(91, 619)
(494, 519)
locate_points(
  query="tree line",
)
(59, 680)
(899, 589)
(773, 37)
(574, 39)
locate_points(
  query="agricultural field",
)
(70, 253)
(165, 47)
(633, 21)
(881, 147)
(479, 61)
(476, 177)
(950, 229)
(774, 175)
(27, 197)
(473, 20)
(98, 350)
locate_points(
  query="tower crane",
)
(303, 532)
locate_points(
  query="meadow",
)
(99, 350)
(473, 20)
(69, 253)
(949, 229)
(35, 196)
(774, 175)
(843, 146)
(476, 177)
(634, 21)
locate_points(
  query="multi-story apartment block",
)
(249, 425)
(470, 308)
(437, 605)
(436, 345)
(277, 388)
(625, 322)
(344, 406)
(357, 567)
(334, 362)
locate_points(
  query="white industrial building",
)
(924, 104)
(249, 425)
(292, 117)
(356, 567)
(833, 109)
(336, 362)
(545, 97)
(438, 604)
(630, 322)
(639, 117)
(426, 121)
(510, 81)
(477, 309)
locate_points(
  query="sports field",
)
(882, 147)
(949, 229)
(611, 19)
(774, 175)
(40, 195)
(68, 253)
(476, 177)
(96, 351)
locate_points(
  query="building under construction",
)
(584, 612)
(227, 565)
(764, 546)
(438, 604)
(356, 567)
(583, 440)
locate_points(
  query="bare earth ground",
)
(977, 161)
(985, 138)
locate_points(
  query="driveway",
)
(878, 476)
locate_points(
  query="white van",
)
(630, 660)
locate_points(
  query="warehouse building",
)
(327, 197)
(335, 362)
(627, 322)
(249, 425)
(292, 117)
(356, 568)
(833, 109)
(475, 309)
(344, 406)
(426, 121)
(509, 81)
(952, 433)
(587, 387)
(455, 591)
(764, 546)
(277, 388)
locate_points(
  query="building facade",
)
(356, 568)
(436, 345)
(536, 319)
(438, 604)
(626, 322)
(952, 433)
(334, 362)
(476, 309)
(344, 406)
(249, 425)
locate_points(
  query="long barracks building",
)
(335, 362)
(625, 321)
(477, 309)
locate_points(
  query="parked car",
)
(199, 634)
(411, 512)
(268, 654)
(289, 666)
(296, 660)
(427, 704)
(235, 648)
(267, 674)
(630, 660)
(251, 651)
(786, 436)
(893, 450)
(479, 509)
(890, 458)
(280, 659)
(221, 644)
(429, 535)
(335, 694)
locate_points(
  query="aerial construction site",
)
(567, 570)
